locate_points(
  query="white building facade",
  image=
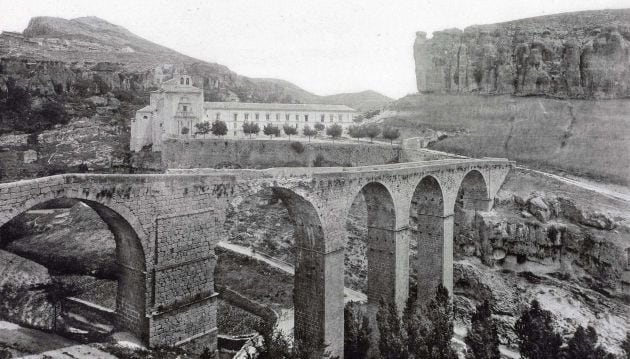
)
(178, 106)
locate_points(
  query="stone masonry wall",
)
(215, 153)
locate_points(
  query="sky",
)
(323, 46)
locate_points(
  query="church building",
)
(177, 106)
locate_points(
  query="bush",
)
(536, 336)
(334, 131)
(319, 126)
(309, 132)
(185, 130)
(372, 131)
(391, 133)
(357, 332)
(289, 130)
(319, 160)
(483, 338)
(297, 146)
(219, 128)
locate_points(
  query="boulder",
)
(537, 206)
(97, 100)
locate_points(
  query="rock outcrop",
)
(573, 55)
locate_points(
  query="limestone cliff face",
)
(574, 55)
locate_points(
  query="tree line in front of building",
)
(425, 331)
(219, 128)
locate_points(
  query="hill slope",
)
(52, 54)
(584, 137)
(574, 55)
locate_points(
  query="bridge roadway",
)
(167, 225)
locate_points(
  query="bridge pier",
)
(318, 300)
(388, 267)
(434, 263)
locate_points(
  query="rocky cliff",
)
(574, 55)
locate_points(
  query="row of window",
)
(236, 125)
(287, 117)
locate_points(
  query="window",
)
(246, 116)
(286, 116)
(305, 118)
(181, 81)
(257, 116)
(267, 117)
(340, 117)
(322, 117)
(234, 125)
(185, 108)
(297, 117)
(218, 116)
(277, 117)
(235, 116)
(331, 118)
(145, 117)
(187, 81)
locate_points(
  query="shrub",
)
(289, 130)
(357, 132)
(319, 160)
(372, 131)
(334, 131)
(203, 128)
(356, 332)
(319, 126)
(219, 128)
(309, 132)
(271, 130)
(251, 128)
(536, 336)
(297, 146)
(483, 337)
(583, 345)
(185, 130)
(391, 133)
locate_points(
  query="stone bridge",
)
(166, 227)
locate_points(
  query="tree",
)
(356, 332)
(483, 338)
(251, 128)
(583, 345)
(625, 345)
(439, 313)
(391, 133)
(203, 128)
(289, 130)
(536, 336)
(319, 126)
(392, 336)
(271, 130)
(416, 327)
(185, 130)
(275, 345)
(357, 132)
(219, 128)
(308, 132)
(372, 131)
(334, 131)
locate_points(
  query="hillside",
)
(570, 55)
(583, 137)
(362, 101)
(52, 54)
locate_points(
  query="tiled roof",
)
(276, 106)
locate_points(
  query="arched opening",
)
(432, 240)
(280, 227)
(82, 293)
(312, 277)
(472, 196)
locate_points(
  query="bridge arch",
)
(431, 229)
(473, 192)
(318, 287)
(131, 314)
